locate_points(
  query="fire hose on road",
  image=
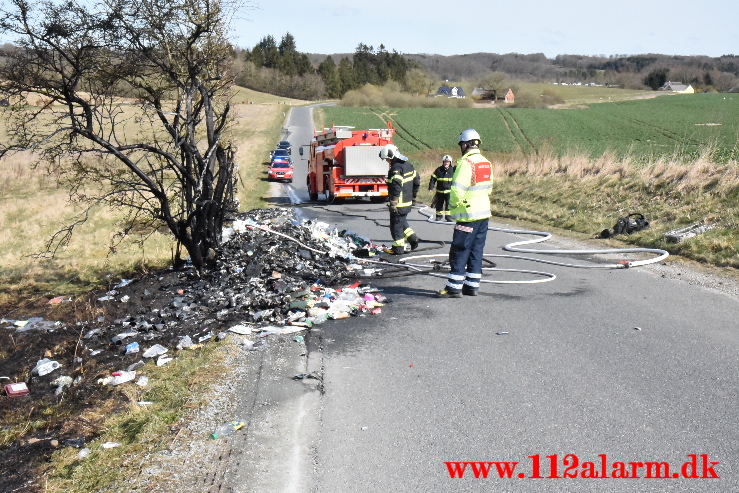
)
(411, 265)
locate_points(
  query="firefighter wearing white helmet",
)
(441, 179)
(402, 187)
(469, 201)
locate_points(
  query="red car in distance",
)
(280, 168)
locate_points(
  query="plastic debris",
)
(118, 378)
(242, 329)
(164, 359)
(143, 381)
(83, 454)
(118, 339)
(74, 442)
(62, 383)
(108, 445)
(135, 366)
(18, 389)
(45, 366)
(228, 428)
(303, 376)
(184, 343)
(35, 323)
(123, 283)
(501, 333)
(132, 348)
(155, 350)
(682, 234)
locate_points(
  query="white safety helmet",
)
(389, 152)
(446, 157)
(470, 135)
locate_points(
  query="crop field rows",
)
(679, 126)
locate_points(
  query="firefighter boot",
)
(468, 291)
(448, 218)
(439, 217)
(395, 250)
(445, 293)
(413, 240)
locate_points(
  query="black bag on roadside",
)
(627, 225)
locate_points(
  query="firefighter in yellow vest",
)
(469, 202)
(441, 179)
(402, 187)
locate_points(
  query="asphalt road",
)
(430, 381)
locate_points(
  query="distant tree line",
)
(633, 72)
(281, 69)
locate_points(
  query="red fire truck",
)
(343, 163)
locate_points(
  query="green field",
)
(677, 126)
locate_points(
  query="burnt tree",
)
(128, 102)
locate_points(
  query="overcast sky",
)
(552, 27)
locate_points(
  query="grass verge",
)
(587, 196)
(141, 430)
(32, 209)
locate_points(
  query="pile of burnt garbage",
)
(272, 275)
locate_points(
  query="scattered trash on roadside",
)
(62, 383)
(164, 359)
(83, 454)
(144, 403)
(118, 377)
(155, 350)
(501, 333)
(184, 343)
(143, 381)
(135, 366)
(34, 323)
(74, 442)
(637, 328)
(118, 339)
(45, 366)
(241, 329)
(303, 376)
(299, 339)
(228, 428)
(132, 348)
(18, 389)
(682, 234)
(108, 445)
(365, 428)
(626, 225)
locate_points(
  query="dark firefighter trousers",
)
(399, 228)
(441, 203)
(465, 255)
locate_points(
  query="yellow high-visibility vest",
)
(471, 188)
